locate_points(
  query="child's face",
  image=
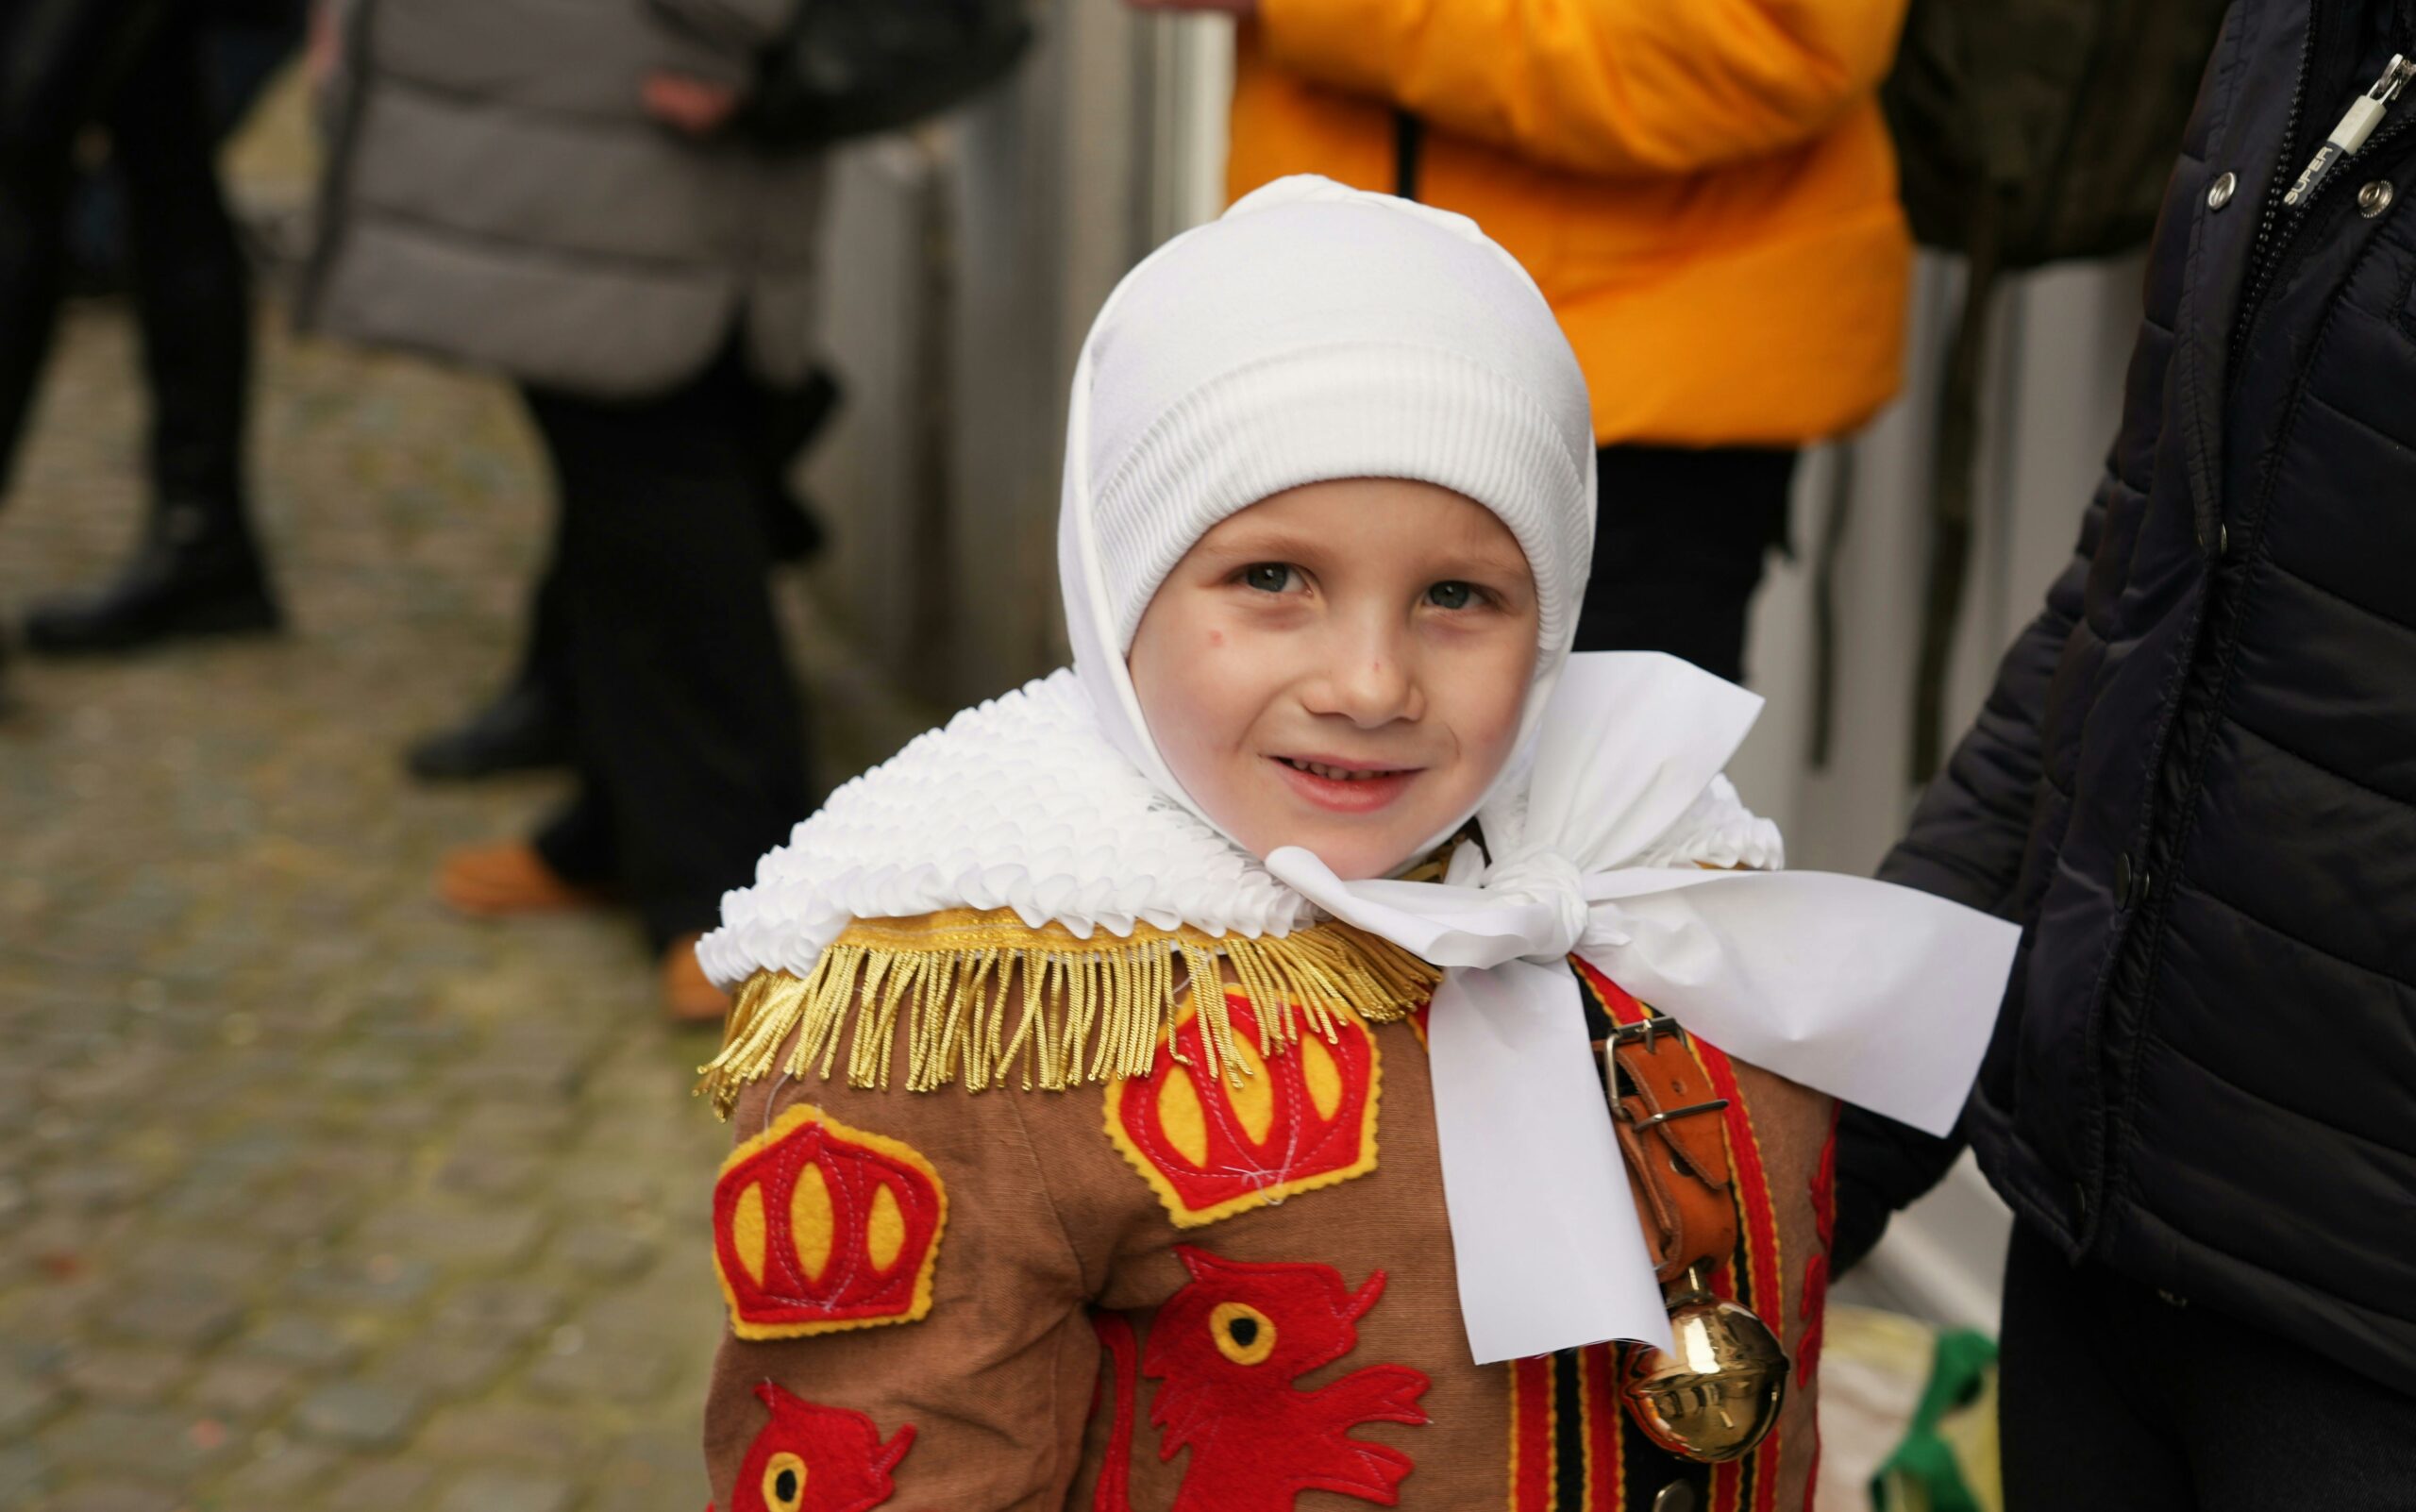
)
(1341, 667)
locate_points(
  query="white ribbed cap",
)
(1318, 332)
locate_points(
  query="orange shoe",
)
(688, 995)
(498, 880)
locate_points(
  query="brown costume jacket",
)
(1177, 1292)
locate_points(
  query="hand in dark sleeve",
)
(1882, 1166)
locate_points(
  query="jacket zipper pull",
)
(2355, 127)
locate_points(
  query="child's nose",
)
(1373, 682)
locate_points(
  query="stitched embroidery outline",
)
(819, 1227)
(1296, 1122)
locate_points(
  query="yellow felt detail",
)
(746, 1230)
(1181, 1116)
(989, 1000)
(1323, 1077)
(885, 1230)
(811, 1221)
(1253, 1099)
(1261, 1329)
(784, 1463)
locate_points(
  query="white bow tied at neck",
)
(1876, 994)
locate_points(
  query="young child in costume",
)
(1171, 1085)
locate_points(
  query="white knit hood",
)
(1315, 332)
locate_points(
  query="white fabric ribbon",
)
(1876, 994)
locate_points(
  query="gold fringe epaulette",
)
(989, 1000)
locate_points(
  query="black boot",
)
(523, 728)
(196, 573)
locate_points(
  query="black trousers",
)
(2115, 1398)
(776, 424)
(1680, 539)
(135, 67)
(689, 733)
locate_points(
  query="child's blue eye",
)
(1268, 577)
(1450, 595)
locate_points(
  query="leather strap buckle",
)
(1715, 1106)
(1678, 1165)
(1646, 1032)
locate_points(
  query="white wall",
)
(964, 262)
(2051, 400)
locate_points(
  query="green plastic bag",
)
(1948, 1459)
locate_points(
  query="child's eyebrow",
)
(1266, 540)
(1260, 542)
(1490, 556)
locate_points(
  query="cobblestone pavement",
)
(310, 1195)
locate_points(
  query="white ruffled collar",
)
(1022, 803)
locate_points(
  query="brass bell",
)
(1717, 1391)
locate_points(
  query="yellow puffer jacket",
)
(1705, 189)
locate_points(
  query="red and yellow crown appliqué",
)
(1211, 1148)
(819, 1227)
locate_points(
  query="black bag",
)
(2036, 130)
(2028, 131)
(850, 68)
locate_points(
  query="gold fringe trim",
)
(989, 1000)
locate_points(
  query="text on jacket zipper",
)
(2355, 127)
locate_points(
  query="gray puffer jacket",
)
(497, 196)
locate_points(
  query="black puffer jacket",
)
(2195, 780)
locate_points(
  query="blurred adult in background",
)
(1707, 196)
(530, 724)
(134, 69)
(2194, 784)
(550, 191)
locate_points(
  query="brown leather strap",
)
(1666, 1116)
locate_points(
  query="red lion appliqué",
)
(811, 1458)
(1228, 1347)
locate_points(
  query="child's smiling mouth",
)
(1342, 787)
